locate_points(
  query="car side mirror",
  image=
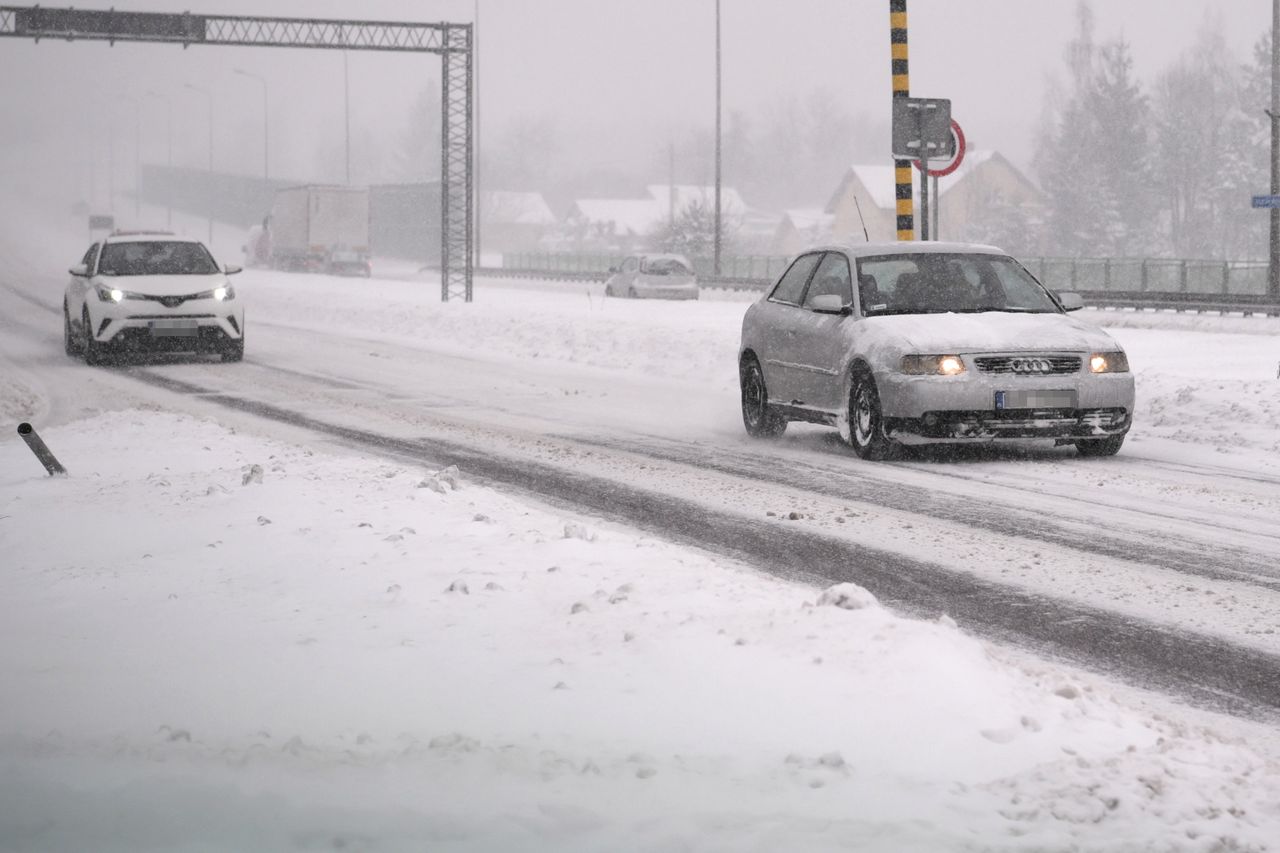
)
(1071, 301)
(829, 303)
(613, 269)
(80, 271)
(230, 269)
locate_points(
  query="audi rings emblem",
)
(1030, 365)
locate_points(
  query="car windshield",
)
(158, 257)
(940, 283)
(665, 266)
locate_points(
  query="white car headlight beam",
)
(932, 365)
(1109, 362)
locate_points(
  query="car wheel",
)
(90, 348)
(608, 291)
(866, 424)
(1091, 447)
(68, 337)
(631, 293)
(760, 419)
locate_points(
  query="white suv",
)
(151, 291)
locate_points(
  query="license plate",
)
(1035, 399)
(174, 328)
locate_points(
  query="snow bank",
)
(211, 641)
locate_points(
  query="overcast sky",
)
(618, 77)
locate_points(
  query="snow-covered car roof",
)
(660, 256)
(863, 250)
(148, 237)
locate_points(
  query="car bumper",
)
(145, 325)
(920, 409)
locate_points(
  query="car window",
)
(630, 265)
(936, 282)
(831, 279)
(158, 257)
(664, 266)
(87, 260)
(791, 286)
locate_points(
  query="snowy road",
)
(1159, 564)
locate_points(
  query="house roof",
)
(880, 182)
(516, 208)
(688, 194)
(809, 217)
(637, 216)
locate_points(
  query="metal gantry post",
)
(456, 153)
(1273, 272)
(453, 42)
(904, 208)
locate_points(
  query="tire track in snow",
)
(1208, 671)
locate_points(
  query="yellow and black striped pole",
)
(901, 89)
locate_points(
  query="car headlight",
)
(1109, 362)
(932, 365)
(222, 293)
(115, 294)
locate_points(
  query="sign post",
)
(944, 169)
(922, 130)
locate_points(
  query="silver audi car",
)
(915, 343)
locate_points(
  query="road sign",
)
(922, 129)
(1266, 201)
(947, 167)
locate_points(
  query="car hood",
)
(163, 285)
(993, 331)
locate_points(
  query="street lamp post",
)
(169, 179)
(209, 190)
(346, 108)
(137, 158)
(266, 168)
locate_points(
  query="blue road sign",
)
(1266, 201)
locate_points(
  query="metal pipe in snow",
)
(38, 447)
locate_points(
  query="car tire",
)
(91, 349)
(631, 293)
(608, 291)
(866, 423)
(1094, 447)
(68, 335)
(760, 419)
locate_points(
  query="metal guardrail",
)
(1132, 283)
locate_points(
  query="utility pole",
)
(209, 189)
(718, 140)
(346, 100)
(266, 148)
(1273, 271)
(169, 179)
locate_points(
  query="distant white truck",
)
(321, 229)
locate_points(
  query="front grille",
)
(171, 301)
(170, 317)
(1029, 365)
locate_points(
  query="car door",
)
(779, 318)
(78, 286)
(627, 276)
(820, 338)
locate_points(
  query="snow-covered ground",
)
(202, 654)
(253, 644)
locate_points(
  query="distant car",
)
(939, 342)
(151, 291)
(653, 277)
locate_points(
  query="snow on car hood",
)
(164, 285)
(992, 331)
